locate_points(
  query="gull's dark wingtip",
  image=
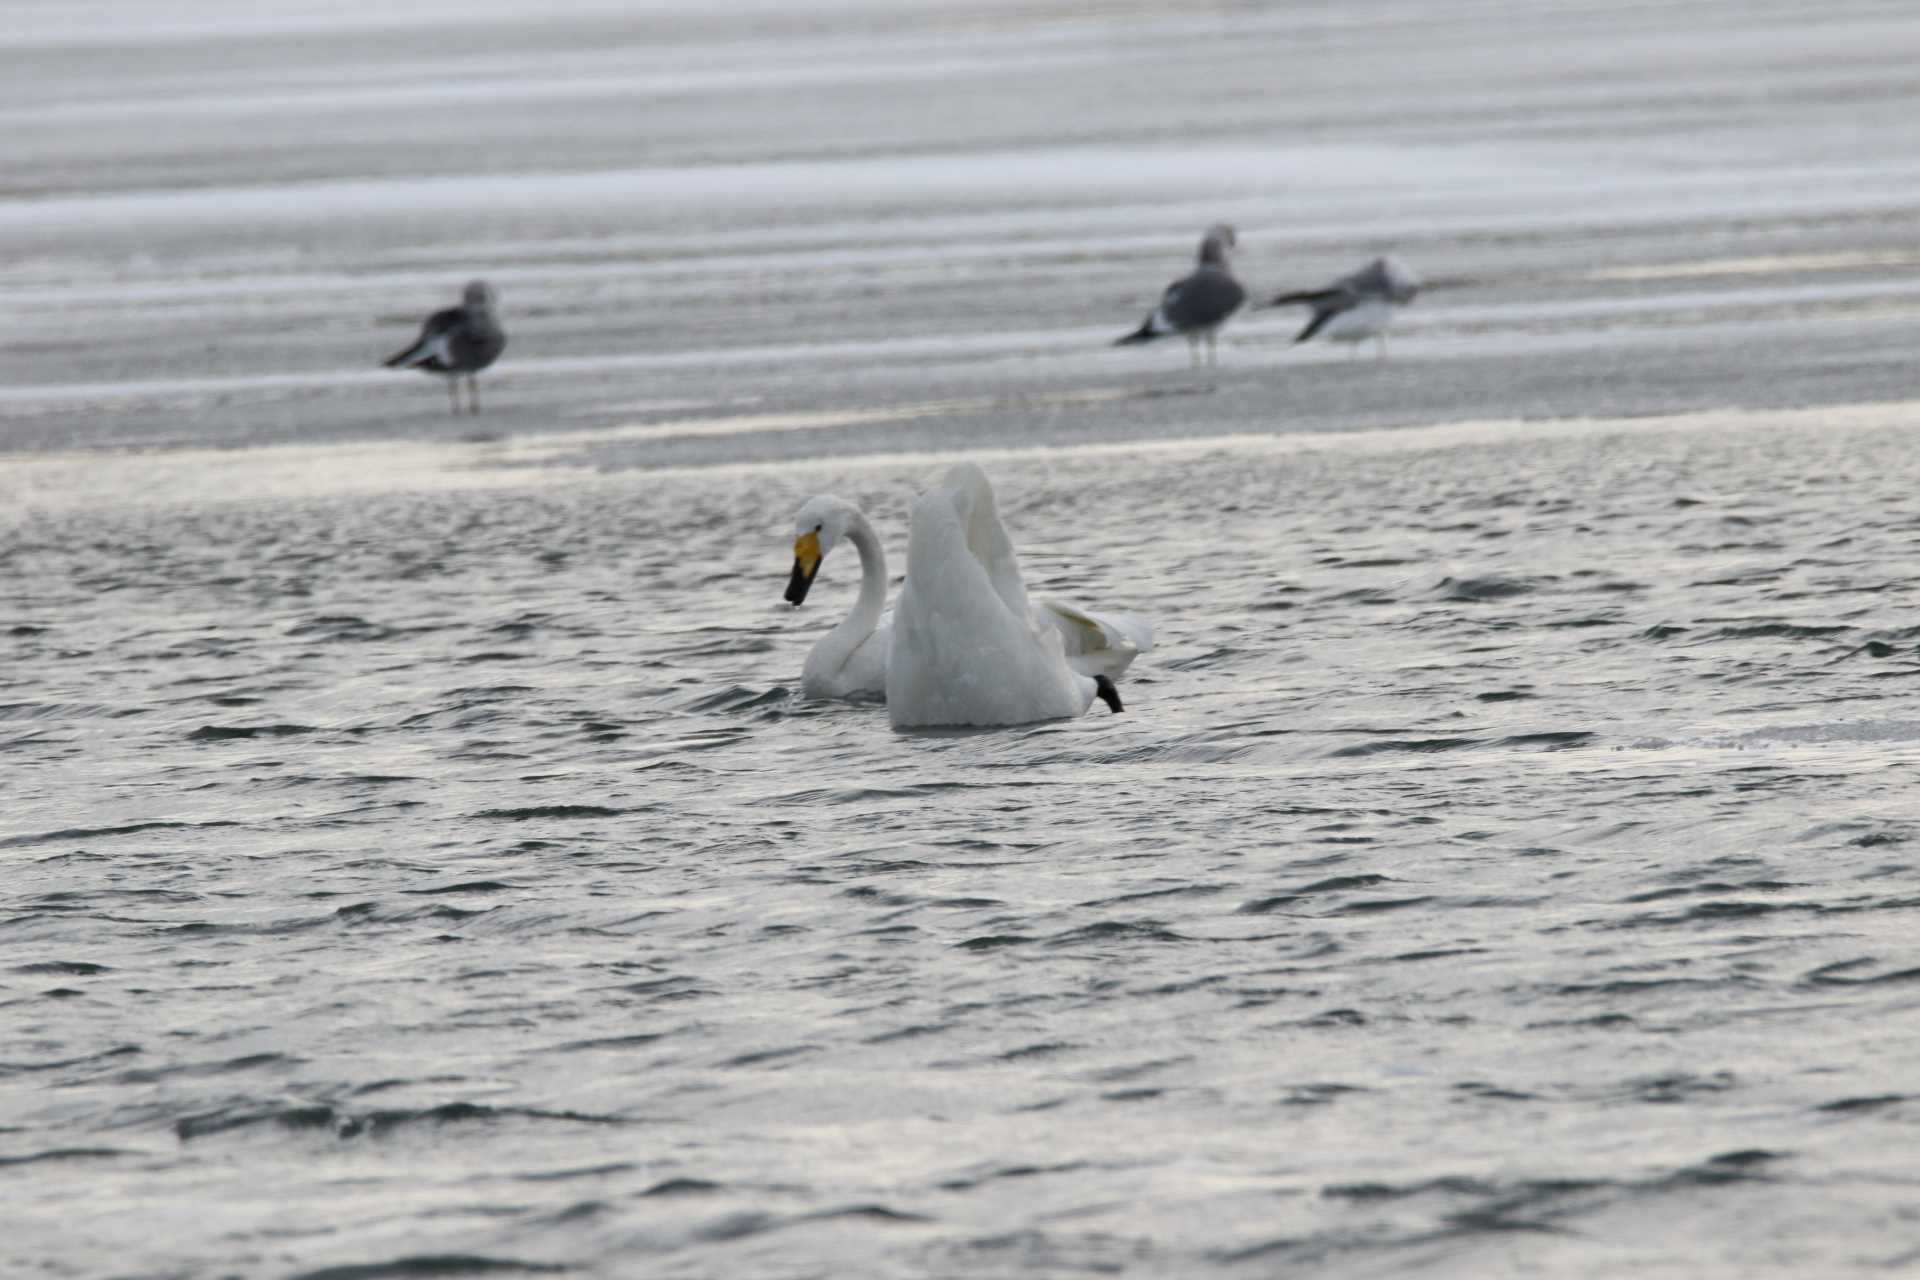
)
(1314, 325)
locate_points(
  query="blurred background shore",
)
(216, 219)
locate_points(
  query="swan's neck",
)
(839, 644)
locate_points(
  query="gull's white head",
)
(823, 520)
(478, 294)
(1399, 281)
(1217, 243)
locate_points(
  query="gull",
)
(1358, 306)
(463, 339)
(1197, 304)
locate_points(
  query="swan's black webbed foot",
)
(1108, 694)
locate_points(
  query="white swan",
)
(966, 648)
(850, 661)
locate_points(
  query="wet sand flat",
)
(216, 226)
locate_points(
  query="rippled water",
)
(1505, 860)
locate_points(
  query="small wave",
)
(1199, 662)
(567, 1175)
(466, 886)
(1116, 931)
(683, 1187)
(995, 942)
(865, 1212)
(1418, 745)
(1857, 1106)
(1781, 630)
(60, 1064)
(434, 1266)
(997, 1173)
(246, 1062)
(550, 811)
(635, 1041)
(736, 698)
(1729, 1166)
(95, 833)
(59, 1154)
(345, 1124)
(1839, 974)
(233, 732)
(1335, 884)
(1551, 740)
(1490, 587)
(341, 627)
(761, 1057)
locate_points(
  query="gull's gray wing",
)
(1202, 300)
(432, 346)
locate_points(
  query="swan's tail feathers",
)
(1097, 644)
(1145, 333)
(1108, 694)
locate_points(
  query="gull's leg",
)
(473, 391)
(1213, 351)
(453, 393)
(1381, 338)
(1193, 351)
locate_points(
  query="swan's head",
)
(822, 522)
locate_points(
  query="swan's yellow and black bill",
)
(806, 563)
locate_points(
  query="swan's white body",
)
(850, 661)
(966, 647)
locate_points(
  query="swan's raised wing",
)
(958, 654)
(1096, 644)
(986, 537)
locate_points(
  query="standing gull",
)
(1197, 304)
(463, 339)
(1358, 306)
